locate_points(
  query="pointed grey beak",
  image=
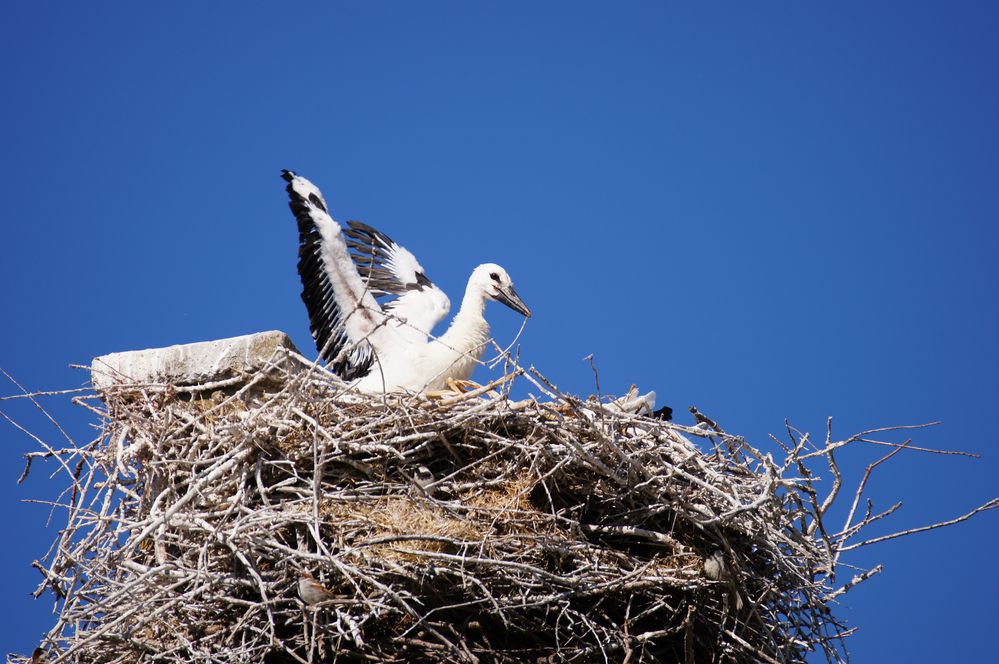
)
(509, 297)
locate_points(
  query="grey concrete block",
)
(197, 363)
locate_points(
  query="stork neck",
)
(469, 330)
(474, 302)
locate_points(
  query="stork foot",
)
(454, 387)
(461, 386)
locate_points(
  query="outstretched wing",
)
(346, 321)
(387, 267)
(390, 269)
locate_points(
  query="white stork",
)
(388, 346)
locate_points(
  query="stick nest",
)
(472, 529)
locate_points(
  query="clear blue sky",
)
(765, 211)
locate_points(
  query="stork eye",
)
(494, 276)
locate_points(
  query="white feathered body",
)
(413, 364)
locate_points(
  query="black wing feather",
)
(370, 249)
(325, 316)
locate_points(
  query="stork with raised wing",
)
(386, 346)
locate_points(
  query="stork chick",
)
(386, 347)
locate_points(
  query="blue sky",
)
(769, 212)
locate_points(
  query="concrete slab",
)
(196, 363)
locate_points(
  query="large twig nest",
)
(476, 530)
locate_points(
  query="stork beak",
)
(509, 297)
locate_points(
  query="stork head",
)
(497, 285)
